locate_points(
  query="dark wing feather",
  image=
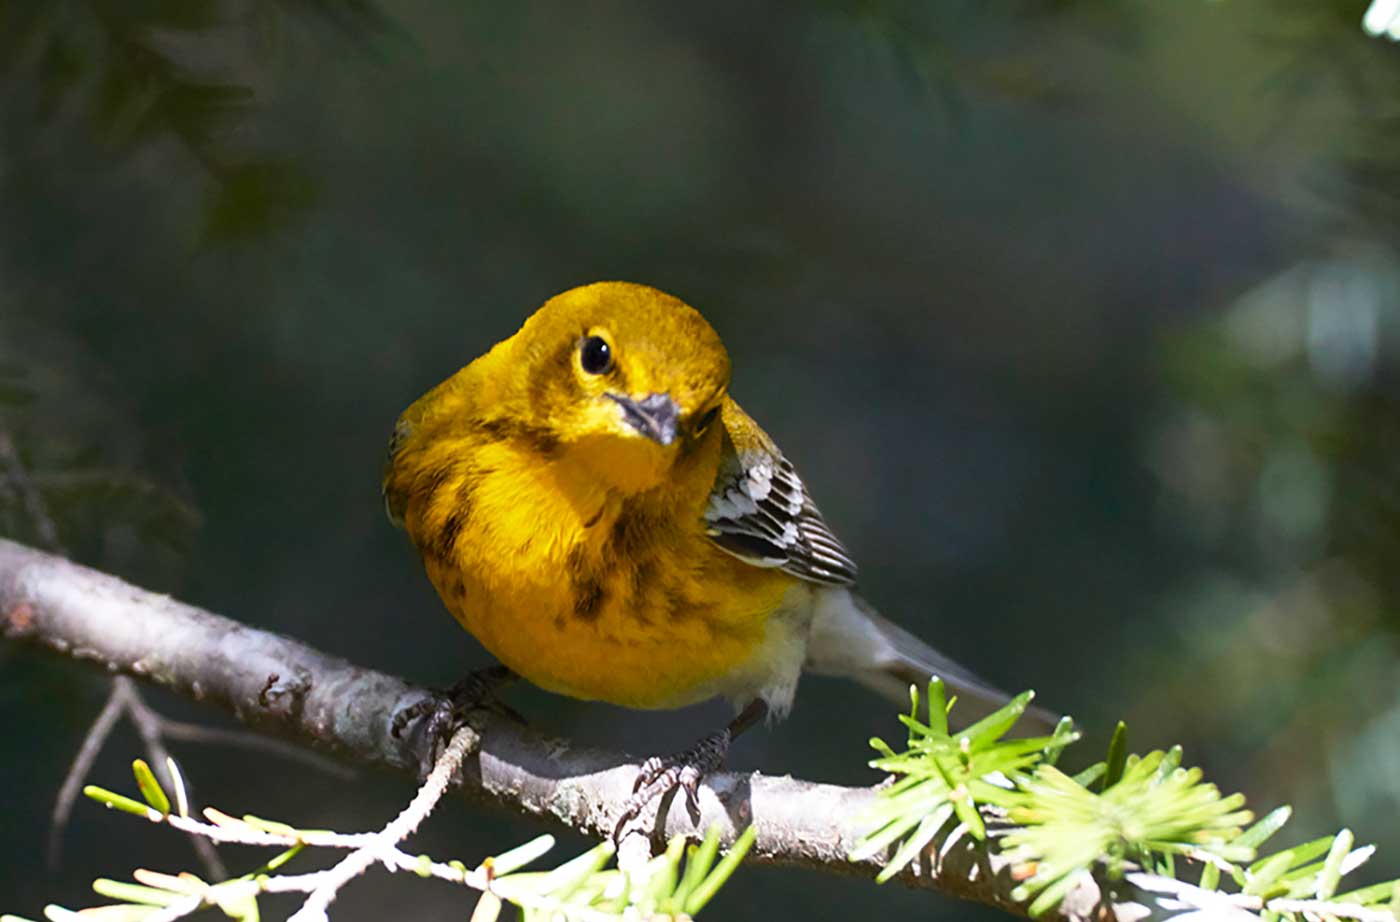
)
(760, 512)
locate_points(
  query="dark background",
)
(1080, 319)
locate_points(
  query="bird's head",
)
(627, 378)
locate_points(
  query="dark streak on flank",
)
(588, 599)
(589, 591)
(643, 578)
(631, 540)
(629, 534)
(460, 503)
(642, 583)
(420, 493)
(445, 541)
(431, 481)
(471, 480)
(577, 563)
(676, 605)
(466, 494)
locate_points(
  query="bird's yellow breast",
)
(582, 590)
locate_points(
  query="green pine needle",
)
(677, 883)
(698, 861)
(707, 888)
(1126, 812)
(515, 859)
(942, 776)
(58, 914)
(135, 893)
(119, 802)
(150, 788)
(1117, 756)
(1153, 813)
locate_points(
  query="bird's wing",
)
(760, 512)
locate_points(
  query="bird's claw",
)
(660, 776)
(442, 712)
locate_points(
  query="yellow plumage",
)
(591, 504)
(577, 553)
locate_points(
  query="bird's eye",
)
(595, 355)
(703, 422)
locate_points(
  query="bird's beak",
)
(655, 416)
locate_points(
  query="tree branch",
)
(278, 685)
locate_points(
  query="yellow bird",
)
(593, 506)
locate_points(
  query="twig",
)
(367, 849)
(148, 726)
(78, 771)
(33, 501)
(403, 826)
(242, 739)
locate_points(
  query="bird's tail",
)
(850, 639)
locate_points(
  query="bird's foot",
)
(663, 775)
(443, 712)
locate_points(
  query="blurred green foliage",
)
(183, 72)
